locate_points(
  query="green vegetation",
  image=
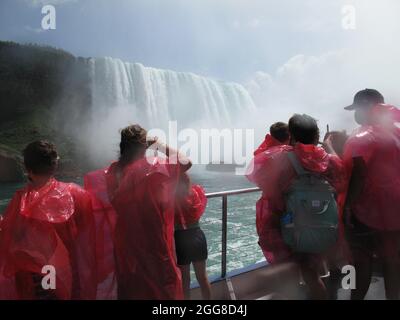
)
(41, 89)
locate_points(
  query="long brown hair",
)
(184, 186)
(133, 144)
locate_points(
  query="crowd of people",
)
(133, 230)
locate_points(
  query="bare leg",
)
(391, 269)
(334, 283)
(200, 269)
(391, 264)
(185, 270)
(312, 279)
(363, 267)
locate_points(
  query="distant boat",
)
(223, 167)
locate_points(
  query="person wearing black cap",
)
(372, 219)
(366, 97)
(363, 102)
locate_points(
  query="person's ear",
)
(29, 174)
(317, 139)
(360, 116)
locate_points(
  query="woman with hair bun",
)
(141, 190)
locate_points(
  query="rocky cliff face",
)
(11, 169)
(41, 90)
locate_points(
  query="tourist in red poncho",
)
(273, 172)
(190, 241)
(372, 209)
(142, 192)
(339, 255)
(278, 135)
(105, 218)
(48, 225)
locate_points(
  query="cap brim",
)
(351, 107)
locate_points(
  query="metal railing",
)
(224, 195)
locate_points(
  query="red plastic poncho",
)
(144, 233)
(384, 114)
(273, 173)
(50, 226)
(268, 142)
(378, 204)
(105, 218)
(189, 210)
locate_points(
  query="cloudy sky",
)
(226, 39)
(291, 54)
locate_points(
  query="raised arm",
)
(173, 154)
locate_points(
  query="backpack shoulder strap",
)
(296, 164)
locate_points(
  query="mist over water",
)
(125, 93)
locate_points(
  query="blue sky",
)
(225, 39)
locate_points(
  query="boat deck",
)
(261, 281)
(274, 282)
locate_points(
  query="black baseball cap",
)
(365, 98)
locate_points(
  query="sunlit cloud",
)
(250, 24)
(322, 85)
(34, 30)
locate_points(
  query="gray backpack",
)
(310, 224)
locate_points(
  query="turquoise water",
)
(242, 244)
(242, 247)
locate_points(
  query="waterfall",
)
(153, 96)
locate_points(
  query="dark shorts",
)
(191, 246)
(370, 241)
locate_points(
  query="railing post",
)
(224, 234)
(224, 195)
